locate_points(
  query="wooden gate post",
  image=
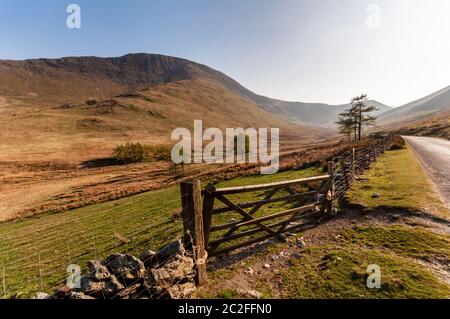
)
(208, 206)
(191, 200)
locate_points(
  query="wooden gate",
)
(249, 228)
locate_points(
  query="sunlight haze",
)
(308, 51)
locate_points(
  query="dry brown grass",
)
(437, 126)
(43, 145)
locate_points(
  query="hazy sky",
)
(312, 51)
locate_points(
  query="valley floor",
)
(33, 187)
(393, 219)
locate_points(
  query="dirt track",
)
(435, 154)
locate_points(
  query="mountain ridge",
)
(137, 71)
(50, 82)
(421, 109)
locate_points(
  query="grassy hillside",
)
(420, 110)
(81, 107)
(91, 130)
(437, 126)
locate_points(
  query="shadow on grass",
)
(350, 213)
(100, 162)
(237, 256)
(395, 214)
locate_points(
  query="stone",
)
(112, 287)
(125, 267)
(43, 295)
(125, 293)
(98, 270)
(170, 251)
(181, 268)
(181, 291)
(376, 195)
(79, 295)
(250, 271)
(149, 258)
(91, 286)
(267, 266)
(63, 292)
(249, 293)
(300, 243)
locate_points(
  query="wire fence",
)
(35, 253)
(352, 164)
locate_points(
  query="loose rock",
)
(170, 251)
(181, 291)
(174, 271)
(91, 286)
(250, 293)
(79, 295)
(300, 243)
(125, 267)
(43, 295)
(149, 258)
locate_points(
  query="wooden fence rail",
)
(310, 199)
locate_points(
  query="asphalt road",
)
(435, 154)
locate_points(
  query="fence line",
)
(313, 198)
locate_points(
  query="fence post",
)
(191, 201)
(330, 193)
(208, 206)
(353, 163)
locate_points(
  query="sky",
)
(323, 51)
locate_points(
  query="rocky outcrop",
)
(168, 273)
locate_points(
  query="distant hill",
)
(84, 106)
(436, 126)
(422, 109)
(318, 114)
(76, 79)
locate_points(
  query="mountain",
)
(318, 114)
(75, 79)
(81, 107)
(422, 109)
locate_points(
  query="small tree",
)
(354, 119)
(361, 109)
(347, 124)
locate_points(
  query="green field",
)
(35, 253)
